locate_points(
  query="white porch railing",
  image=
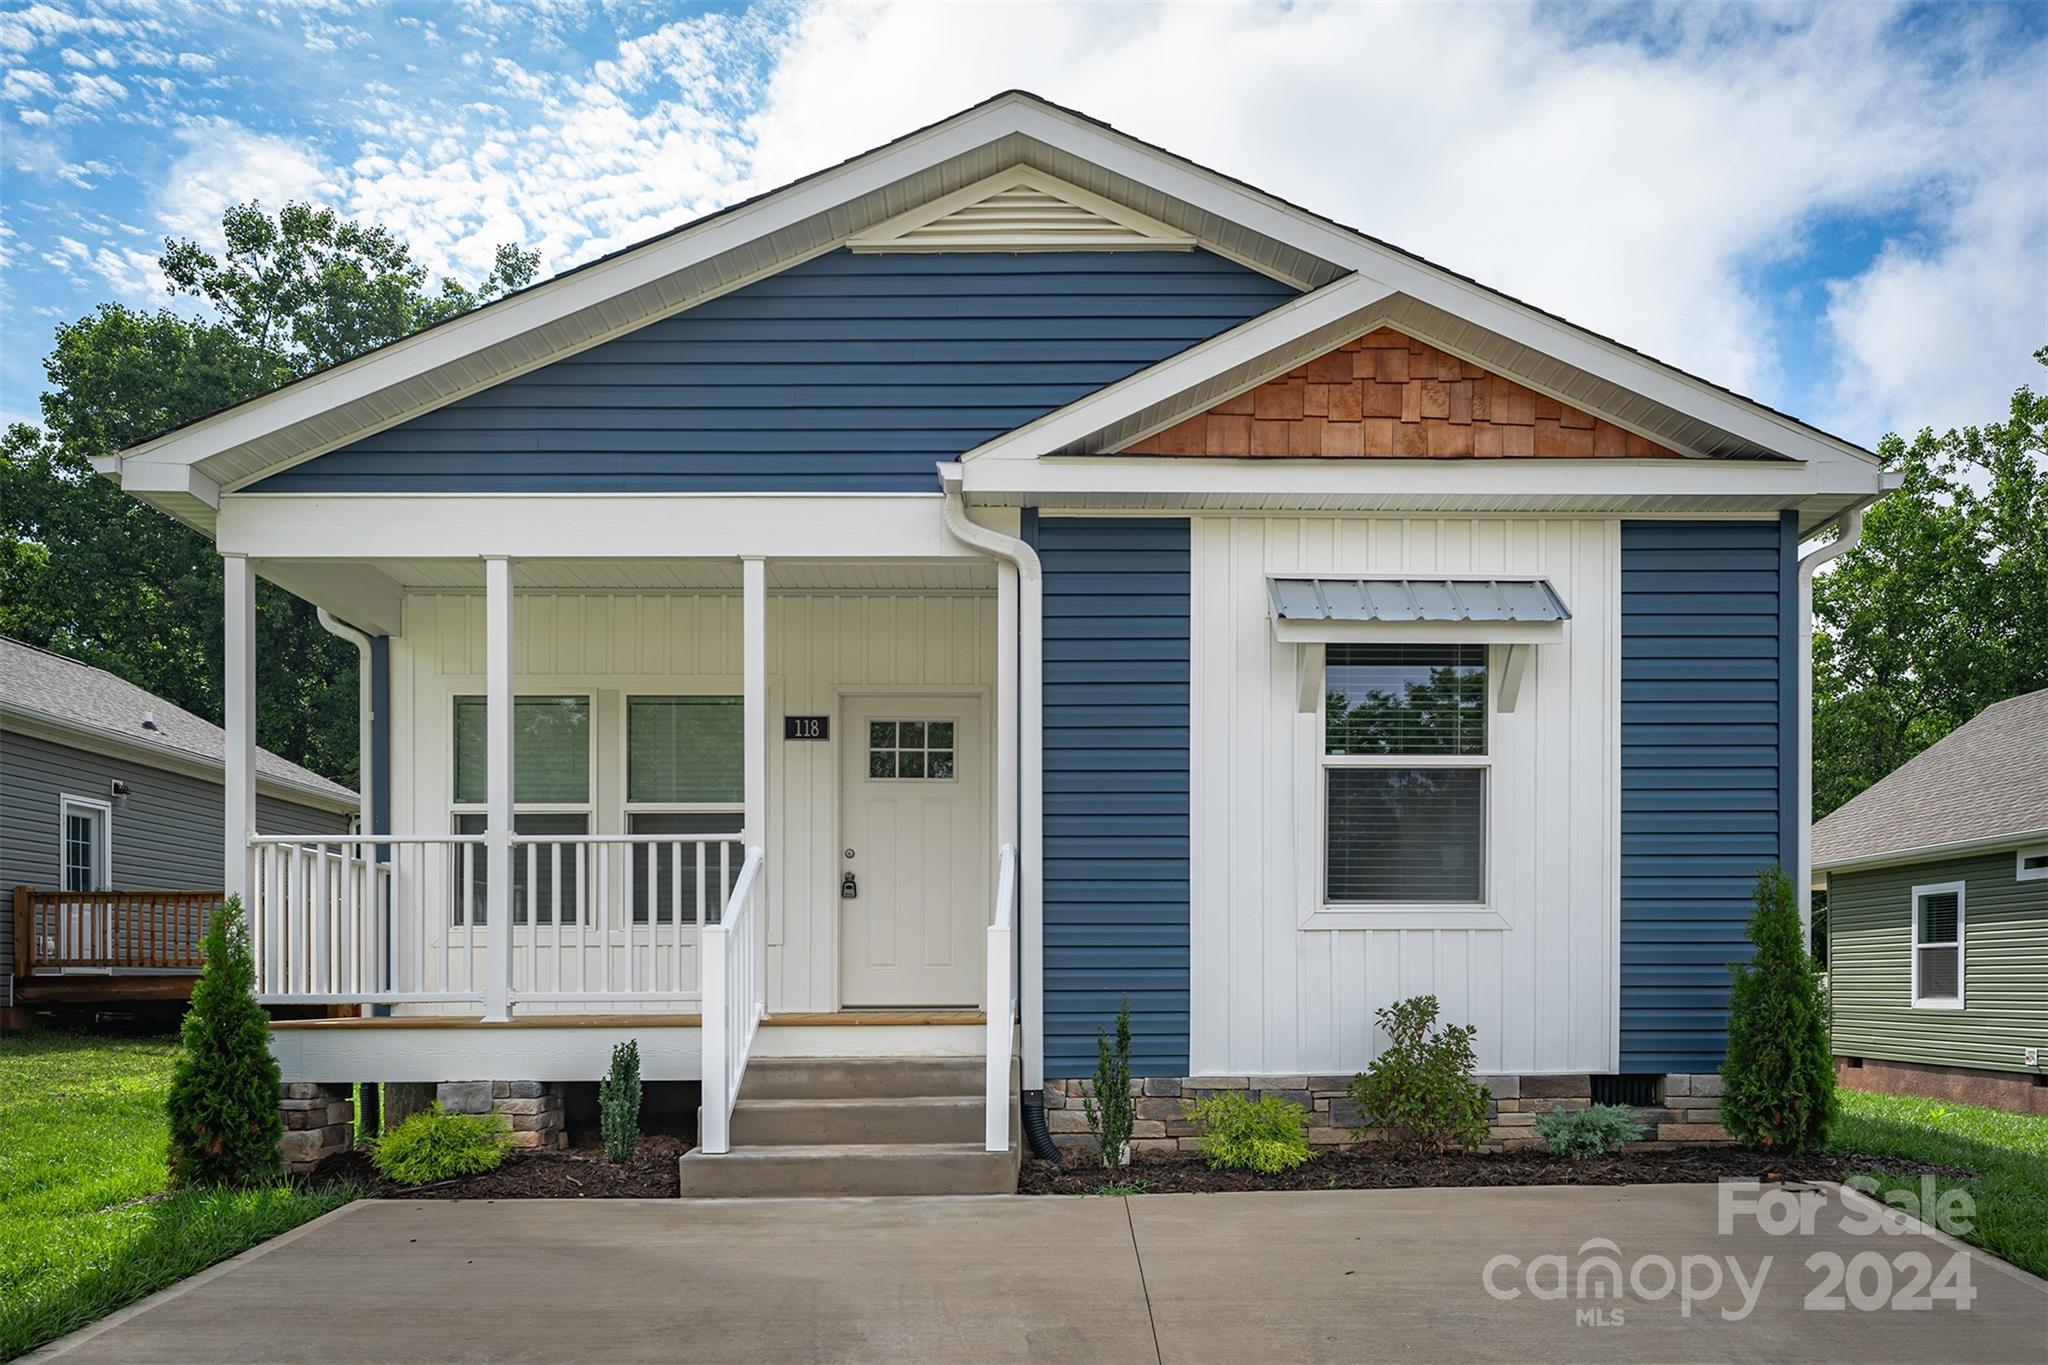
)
(735, 999)
(1002, 1001)
(400, 919)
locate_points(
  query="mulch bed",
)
(1377, 1171)
(575, 1173)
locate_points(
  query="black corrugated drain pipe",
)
(1033, 1103)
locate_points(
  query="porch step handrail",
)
(1002, 1001)
(735, 999)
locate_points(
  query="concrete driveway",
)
(1431, 1275)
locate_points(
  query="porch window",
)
(1404, 773)
(550, 793)
(1938, 946)
(685, 774)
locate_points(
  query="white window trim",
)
(1326, 914)
(103, 854)
(2020, 870)
(1919, 893)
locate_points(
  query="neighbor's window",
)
(86, 860)
(685, 774)
(550, 795)
(1938, 946)
(2031, 864)
(1404, 775)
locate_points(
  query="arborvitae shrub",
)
(618, 1103)
(1778, 1084)
(1107, 1105)
(223, 1102)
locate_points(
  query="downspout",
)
(1026, 725)
(1851, 523)
(365, 667)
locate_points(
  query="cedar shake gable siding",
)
(1388, 395)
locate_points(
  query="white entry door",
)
(914, 837)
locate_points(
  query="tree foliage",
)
(1943, 607)
(223, 1101)
(90, 572)
(1778, 1084)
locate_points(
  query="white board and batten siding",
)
(1279, 988)
(821, 646)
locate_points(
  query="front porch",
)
(731, 809)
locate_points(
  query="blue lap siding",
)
(1709, 739)
(847, 373)
(1116, 788)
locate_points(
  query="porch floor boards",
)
(841, 1019)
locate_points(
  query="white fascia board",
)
(1407, 275)
(144, 478)
(1335, 304)
(1930, 852)
(143, 754)
(363, 596)
(358, 527)
(566, 296)
(1191, 479)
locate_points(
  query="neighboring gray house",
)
(107, 788)
(1937, 884)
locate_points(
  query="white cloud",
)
(223, 165)
(95, 92)
(25, 83)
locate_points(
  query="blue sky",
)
(1841, 211)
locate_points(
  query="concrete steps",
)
(840, 1126)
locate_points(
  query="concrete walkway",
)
(1338, 1276)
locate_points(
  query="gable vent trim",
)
(1022, 209)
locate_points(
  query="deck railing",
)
(1002, 1001)
(403, 918)
(105, 931)
(735, 999)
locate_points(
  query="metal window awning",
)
(1315, 612)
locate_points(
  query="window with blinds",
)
(1404, 775)
(1938, 945)
(685, 774)
(550, 751)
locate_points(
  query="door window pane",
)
(550, 751)
(916, 750)
(684, 750)
(1405, 699)
(81, 851)
(1405, 835)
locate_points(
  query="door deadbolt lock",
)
(849, 889)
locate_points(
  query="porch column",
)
(754, 691)
(498, 788)
(238, 599)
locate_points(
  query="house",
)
(901, 616)
(1937, 893)
(110, 832)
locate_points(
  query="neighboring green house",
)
(1937, 882)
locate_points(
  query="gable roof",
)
(92, 706)
(1983, 783)
(187, 470)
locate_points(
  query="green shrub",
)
(618, 1103)
(1107, 1105)
(1778, 1084)
(1593, 1131)
(223, 1102)
(435, 1145)
(1419, 1092)
(1268, 1135)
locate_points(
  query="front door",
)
(914, 839)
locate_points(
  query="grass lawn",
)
(2009, 1152)
(85, 1225)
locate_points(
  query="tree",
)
(90, 572)
(1943, 607)
(1778, 1084)
(223, 1102)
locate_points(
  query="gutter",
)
(365, 753)
(1020, 748)
(1990, 843)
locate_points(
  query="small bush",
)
(1594, 1131)
(1419, 1092)
(1107, 1105)
(1778, 1090)
(435, 1145)
(223, 1101)
(618, 1103)
(1268, 1135)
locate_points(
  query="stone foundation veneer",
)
(533, 1108)
(1688, 1113)
(319, 1122)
